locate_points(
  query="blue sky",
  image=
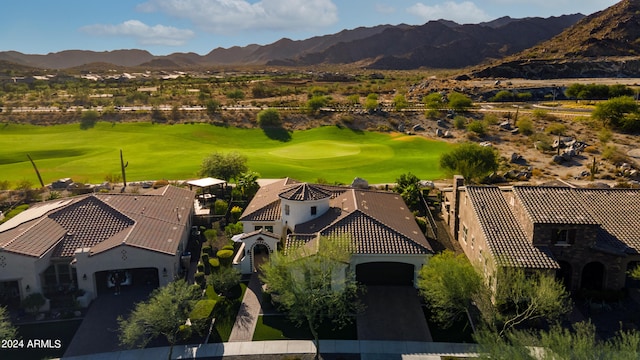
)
(167, 26)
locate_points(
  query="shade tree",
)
(314, 285)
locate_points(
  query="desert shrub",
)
(502, 96)
(224, 279)
(591, 149)
(459, 122)
(605, 135)
(490, 119)
(542, 114)
(269, 117)
(525, 126)
(477, 127)
(524, 96)
(614, 155)
(431, 113)
(233, 229)
(33, 302)
(211, 235)
(220, 207)
(542, 142)
(5, 184)
(160, 183)
(555, 129)
(88, 119)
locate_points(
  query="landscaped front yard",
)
(278, 327)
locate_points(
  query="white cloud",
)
(384, 9)
(230, 16)
(143, 33)
(464, 12)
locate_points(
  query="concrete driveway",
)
(392, 313)
(99, 330)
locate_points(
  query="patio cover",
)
(206, 182)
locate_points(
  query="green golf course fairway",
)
(176, 152)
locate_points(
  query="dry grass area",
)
(610, 149)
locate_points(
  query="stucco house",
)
(76, 243)
(388, 246)
(589, 238)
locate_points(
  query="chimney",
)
(454, 209)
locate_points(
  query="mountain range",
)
(436, 44)
(603, 44)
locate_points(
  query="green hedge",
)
(199, 277)
(214, 263)
(225, 256)
(205, 261)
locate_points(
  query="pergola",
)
(205, 184)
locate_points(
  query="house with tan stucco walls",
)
(77, 243)
(387, 244)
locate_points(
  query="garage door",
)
(129, 278)
(385, 273)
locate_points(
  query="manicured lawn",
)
(176, 152)
(59, 330)
(225, 312)
(278, 327)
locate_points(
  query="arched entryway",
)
(260, 253)
(593, 275)
(565, 274)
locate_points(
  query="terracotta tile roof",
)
(265, 205)
(304, 192)
(155, 221)
(261, 231)
(32, 238)
(618, 213)
(88, 222)
(379, 222)
(506, 239)
(376, 222)
(161, 217)
(553, 205)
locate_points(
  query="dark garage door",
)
(134, 277)
(385, 273)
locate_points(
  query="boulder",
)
(557, 159)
